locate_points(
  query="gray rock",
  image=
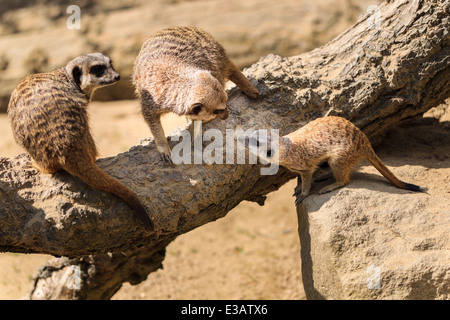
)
(370, 240)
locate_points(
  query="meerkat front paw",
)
(297, 191)
(299, 198)
(166, 157)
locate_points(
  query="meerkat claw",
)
(166, 159)
(299, 199)
(297, 191)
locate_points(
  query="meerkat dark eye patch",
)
(196, 108)
(98, 70)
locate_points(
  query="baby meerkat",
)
(330, 139)
(48, 116)
(184, 70)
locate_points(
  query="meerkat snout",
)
(262, 143)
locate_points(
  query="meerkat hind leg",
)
(341, 174)
(332, 187)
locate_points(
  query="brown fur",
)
(184, 70)
(48, 116)
(334, 140)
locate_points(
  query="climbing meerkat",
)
(330, 139)
(184, 70)
(48, 116)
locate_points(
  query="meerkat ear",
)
(76, 74)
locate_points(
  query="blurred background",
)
(34, 36)
(252, 253)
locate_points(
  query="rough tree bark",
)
(391, 65)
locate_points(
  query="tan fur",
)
(334, 140)
(48, 117)
(184, 70)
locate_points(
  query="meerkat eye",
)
(98, 70)
(76, 74)
(196, 108)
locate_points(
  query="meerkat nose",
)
(224, 115)
(117, 77)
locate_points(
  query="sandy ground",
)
(252, 253)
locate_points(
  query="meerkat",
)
(48, 117)
(184, 70)
(330, 139)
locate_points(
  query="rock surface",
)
(371, 240)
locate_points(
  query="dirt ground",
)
(252, 253)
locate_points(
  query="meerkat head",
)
(207, 98)
(266, 144)
(92, 71)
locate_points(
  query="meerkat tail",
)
(379, 165)
(91, 174)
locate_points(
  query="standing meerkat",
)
(48, 117)
(184, 70)
(330, 139)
